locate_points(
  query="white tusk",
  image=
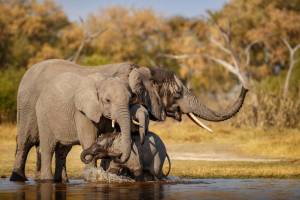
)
(198, 122)
(136, 123)
(113, 123)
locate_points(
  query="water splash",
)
(100, 175)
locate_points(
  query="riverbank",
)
(227, 153)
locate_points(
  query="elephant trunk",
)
(87, 155)
(124, 121)
(143, 127)
(202, 111)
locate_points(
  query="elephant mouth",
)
(176, 114)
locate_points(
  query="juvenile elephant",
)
(69, 108)
(37, 78)
(106, 147)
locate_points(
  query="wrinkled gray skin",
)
(178, 99)
(69, 108)
(145, 161)
(37, 77)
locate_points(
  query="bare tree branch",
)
(234, 70)
(293, 61)
(177, 57)
(88, 37)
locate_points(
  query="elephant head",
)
(178, 99)
(99, 97)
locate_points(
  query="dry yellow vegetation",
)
(185, 136)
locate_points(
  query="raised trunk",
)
(202, 111)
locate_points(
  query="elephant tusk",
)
(113, 123)
(136, 122)
(198, 122)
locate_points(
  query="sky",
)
(187, 8)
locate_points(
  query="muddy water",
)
(185, 189)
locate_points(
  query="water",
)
(232, 189)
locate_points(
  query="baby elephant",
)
(146, 160)
(106, 148)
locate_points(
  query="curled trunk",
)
(192, 105)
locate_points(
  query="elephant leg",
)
(105, 163)
(27, 136)
(61, 152)
(38, 162)
(23, 147)
(47, 147)
(157, 165)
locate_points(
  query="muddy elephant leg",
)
(18, 173)
(38, 162)
(23, 147)
(61, 152)
(27, 136)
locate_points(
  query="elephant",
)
(69, 107)
(145, 161)
(39, 75)
(178, 99)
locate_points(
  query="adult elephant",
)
(178, 99)
(37, 78)
(69, 108)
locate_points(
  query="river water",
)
(264, 189)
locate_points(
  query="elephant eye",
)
(107, 100)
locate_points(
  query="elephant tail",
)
(169, 161)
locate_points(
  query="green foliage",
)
(9, 81)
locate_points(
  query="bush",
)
(9, 82)
(266, 107)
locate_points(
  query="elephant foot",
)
(15, 176)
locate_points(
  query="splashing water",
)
(100, 175)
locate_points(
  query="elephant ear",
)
(135, 79)
(87, 101)
(141, 85)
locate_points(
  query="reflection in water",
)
(193, 189)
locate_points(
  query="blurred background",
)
(188, 38)
(212, 45)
